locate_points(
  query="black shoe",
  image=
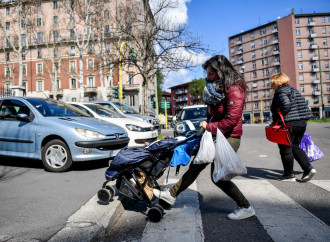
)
(308, 175)
(290, 178)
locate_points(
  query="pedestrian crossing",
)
(282, 217)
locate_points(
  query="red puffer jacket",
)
(228, 115)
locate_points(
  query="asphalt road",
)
(263, 163)
(36, 204)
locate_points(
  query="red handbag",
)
(280, 134)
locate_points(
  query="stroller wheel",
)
(164, 204)
(155, 214)
(104, 195)
(111, 190)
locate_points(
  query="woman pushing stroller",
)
(224, 95)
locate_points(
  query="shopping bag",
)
(206, 152)
(279, 134)
(311, 150)
(227, 165)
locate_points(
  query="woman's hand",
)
(203, 124)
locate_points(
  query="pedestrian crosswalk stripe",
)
(183, 222)
(282, 217)
(325, 184)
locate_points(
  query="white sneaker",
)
(164, 195)
(242, 213)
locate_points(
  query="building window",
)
(7, 25)
(24, 69)
(8, 71)
(296, 21)
(39, 54)
(107, 63)
(55, 5)
(298, 43)
(73, 83)
(72, 34)
(299, 54)
(301, 77)
(266, 51)
(73, 66)
(261, 52)
(325, 53)
(90, 64)
(108, 81)
(324, 30)
(325, 42)
(73, 50)
(310, 20)
(302, 88)
(252, 35)
(267, 72)
(262, 62)
(253, 54)
(256, 105)
(252, 44)
(130, 79)
(106, 14)
(328, 87)
(300, 66)
(55, 35)
(323, 19)
(72, 17)
(254, 74)
(297, 32)
(7, 11)
(39, 85)
(327, 75)
(232, 41)
(264, 31)
(266, 61)
(326, 64)
(39, 22)
(55, 20)
(254, 65)
(7, 56)
(91, 81)
(38, 38)
(39, 68)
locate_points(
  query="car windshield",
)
(103, 111)
(193, 113)
(125, 108)
(54, 108)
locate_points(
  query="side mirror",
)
(23, 117)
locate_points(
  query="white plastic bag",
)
(227, 165)
(206, 152)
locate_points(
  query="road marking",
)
(282, 217)
(183, 222)
(325, 184)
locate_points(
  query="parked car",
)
(55, 132)
(138, 131)
(189, 119)
(130, 112)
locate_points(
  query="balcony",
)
(315, 58)
(313, 46)
(315, 69)
(275, 41)
(313, 35)
(131, 87)
(276, 52)
(239, 42)
(311, 24)
(316, 81)
(316, 93)
(274, 31)
(277, 63)
(59, 92)
(90, 90)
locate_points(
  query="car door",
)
(16, 136)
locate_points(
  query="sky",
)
(215, 20)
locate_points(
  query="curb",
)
(92, 220)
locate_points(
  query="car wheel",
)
(56, 156)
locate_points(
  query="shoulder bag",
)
(280, 134)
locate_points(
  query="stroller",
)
(136, 171)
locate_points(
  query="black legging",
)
(289, 153)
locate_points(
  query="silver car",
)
(55, 132)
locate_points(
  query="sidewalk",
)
(92, 220)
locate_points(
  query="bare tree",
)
(15, 24)
(158, 43)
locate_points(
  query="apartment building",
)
(53, 49)
(297, 45)
(181, 97)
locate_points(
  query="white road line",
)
(282, 217)
(183, 222)
(325, 184)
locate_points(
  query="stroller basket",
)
(127, 189)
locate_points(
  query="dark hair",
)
(227, 73)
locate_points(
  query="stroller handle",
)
(200, 132)
(196, 135)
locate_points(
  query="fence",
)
(6, 92)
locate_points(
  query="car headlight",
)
(90, 133)
(133, 127)
(180, 128)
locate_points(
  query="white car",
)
(139, 132)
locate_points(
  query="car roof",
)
(195, 106)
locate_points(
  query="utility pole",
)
(323, 112)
